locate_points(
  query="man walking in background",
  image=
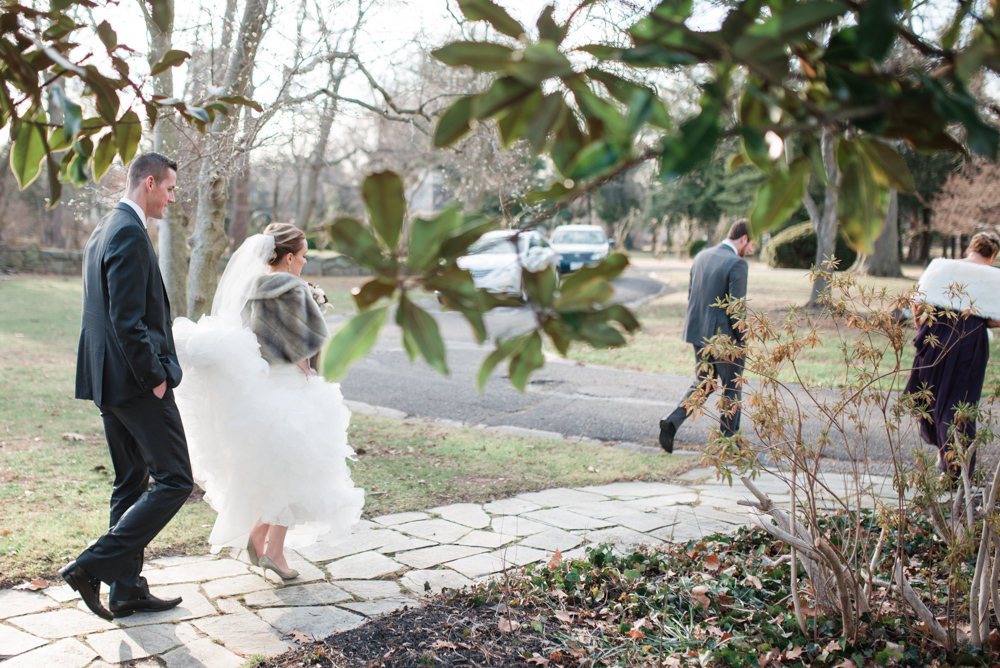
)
(127, 365)
(718, 273)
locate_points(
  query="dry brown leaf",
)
(712, 562)
(556, 559)
(34, 585)
(538, 659)
(508, 625)
(846, 663)
(564, 616)
(755, 581)
(795, 652)
(444, 644)
(724, 600)
(832, 646)
(636, 634)
(672, 662)
(72, 436)
(299, 637)
(700, 594)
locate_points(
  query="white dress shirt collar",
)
(729, 243)
(138, 210)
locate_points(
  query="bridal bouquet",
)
(320, 296)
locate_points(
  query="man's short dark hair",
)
(739, 229)
(149, 164)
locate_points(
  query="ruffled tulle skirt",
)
(266, 442)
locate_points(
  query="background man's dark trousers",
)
(727, 374)
(146, 442)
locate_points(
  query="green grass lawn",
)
(658, 348)
(55, 473)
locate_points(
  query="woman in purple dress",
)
(952, 349)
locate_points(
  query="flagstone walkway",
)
(231, 612)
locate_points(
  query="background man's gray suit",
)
(717, 273)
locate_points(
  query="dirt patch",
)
(443, 633)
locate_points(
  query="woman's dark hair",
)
(985, 243)
(287, 239)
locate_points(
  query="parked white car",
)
(579, 245)
(495, 263)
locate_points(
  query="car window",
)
(492, 246)
(578, 237)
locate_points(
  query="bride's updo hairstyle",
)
(985, 244)
(287, 239)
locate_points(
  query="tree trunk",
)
(172, 229)
(825, 223)
(885, 261)
(925, 234)
(209, 240)
(239, 225)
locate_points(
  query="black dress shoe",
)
(667, 431)
(88, 587)
(147, 603)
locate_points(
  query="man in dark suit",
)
(127, 365)
(718, 273)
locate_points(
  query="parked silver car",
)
(579, 245)
(495, 263)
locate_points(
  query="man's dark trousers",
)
(146, 442)
(727, 374)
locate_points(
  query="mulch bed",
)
(441, 633)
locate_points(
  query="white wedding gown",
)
(266, 442)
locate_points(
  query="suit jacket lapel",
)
(121, 206)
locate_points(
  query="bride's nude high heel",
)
(252, 553)
(267, 564)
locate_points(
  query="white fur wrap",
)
(979, 283)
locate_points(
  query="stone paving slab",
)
(241, 584)
(401, 543)
(243, 633)
(63, 623)
(369, 589)
(400, 518)
(511, 506)
(487, 539)
(61, 593)
(566, 519)
(202, 653)
(440, 531)
(182, 560)
(634, 490)
(307, 572)
(562, 496)
(316, 621)
(14, 603)
(551, 540)
(656, 502)
(467, 514)
(319, 593)
(201, 571)
(14, 642)
(620, 536)
(602, 509)
(361, 541)
(439, 554)
(517, 526)
(641, 521)
(141, 642)
(68, 653)
(423, 582)
(364, 566)
(383, 606)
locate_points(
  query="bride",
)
(267, 437)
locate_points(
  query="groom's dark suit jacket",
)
(126, 344)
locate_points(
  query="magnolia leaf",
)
(421, 333)
(386, 205)
(171, 58)
(72, 119)
(877, 27)
(240, 101)
(547, 118)
(426, 236)
(862, 201)
(128, 132)
(55, 186)
(504, 350)
(28, 150)
(529, 359)
(548, 28)
(889, 162)
(503, 93)
(514, 122)
(352, 342)
(454, 123)
(779, 197)
(495, 15)
(163, 14)
(355, 240)
(541, 61)
(108, 36)
(104, 155)
(483, 56)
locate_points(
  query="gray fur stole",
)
(285, 318)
